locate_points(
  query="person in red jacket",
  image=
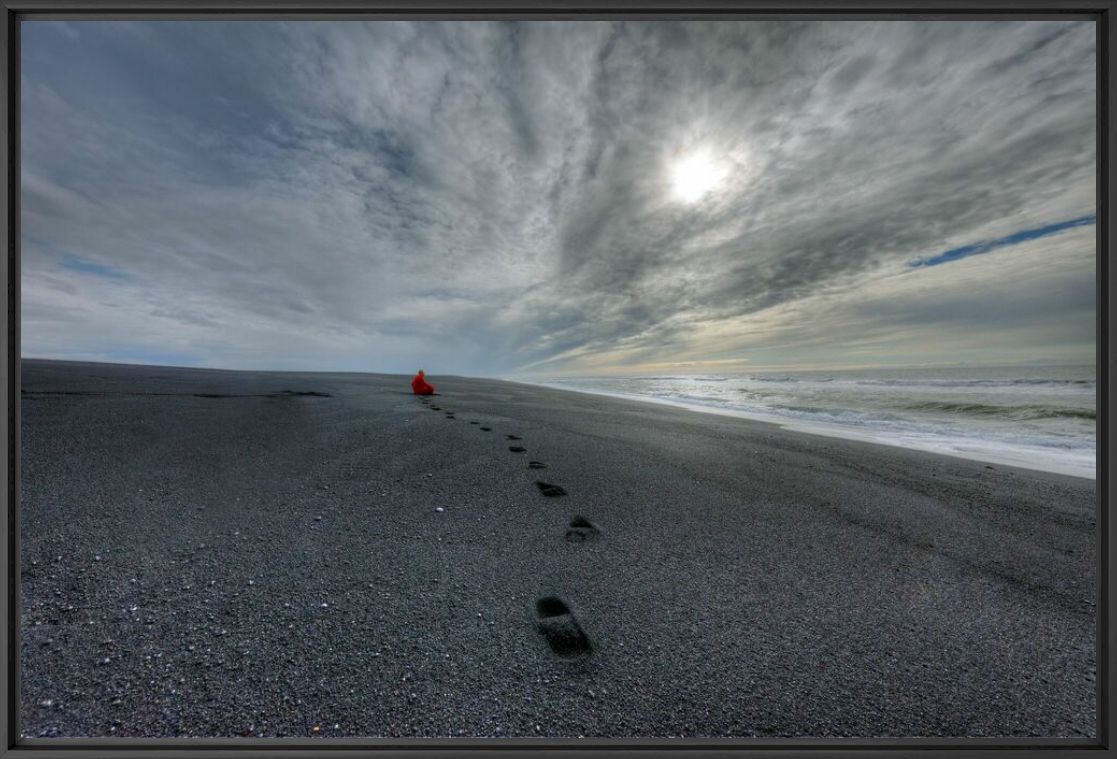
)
(420, 386)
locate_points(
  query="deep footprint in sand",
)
(513, 437)
(549, 490)
(536, 465)
(517, 448)
(581, 530)
(560, 628)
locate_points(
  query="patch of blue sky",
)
(85, 266)
(956, 254)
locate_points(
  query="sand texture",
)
(213, 553)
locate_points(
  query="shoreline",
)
(832, 431)
(255, 553)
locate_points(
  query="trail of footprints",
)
(554, 619)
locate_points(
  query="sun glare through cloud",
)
(695, 175)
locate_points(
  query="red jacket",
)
(420, 386)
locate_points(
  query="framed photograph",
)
(420, 378)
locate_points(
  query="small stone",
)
(439, 509)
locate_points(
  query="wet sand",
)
(212, 553)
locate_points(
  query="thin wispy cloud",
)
(490, 197)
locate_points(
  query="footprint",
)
(581, 530)
(536, 465)
(517, 448)
(513, 437)
(486, 429)
(549, 490)
(560, 629)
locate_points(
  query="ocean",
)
(1037, 417)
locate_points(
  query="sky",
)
(550, 198)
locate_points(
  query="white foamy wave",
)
(1034, 417)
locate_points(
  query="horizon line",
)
(767, 368)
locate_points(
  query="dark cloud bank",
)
(489, 197)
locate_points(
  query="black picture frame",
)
(1102, 12)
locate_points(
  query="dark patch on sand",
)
(474, 422)
(549, 490)
(560, 629)
(517, 448)
(513, 437)
(486, 429)
(280, 394)
(581, 530)
(536, 465)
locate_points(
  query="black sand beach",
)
(231, 553)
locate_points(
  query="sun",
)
(695, 175)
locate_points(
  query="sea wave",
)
(971, 382)
(1040, 417)
(1022, 413)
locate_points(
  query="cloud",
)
(74, 263)
(482, 197)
